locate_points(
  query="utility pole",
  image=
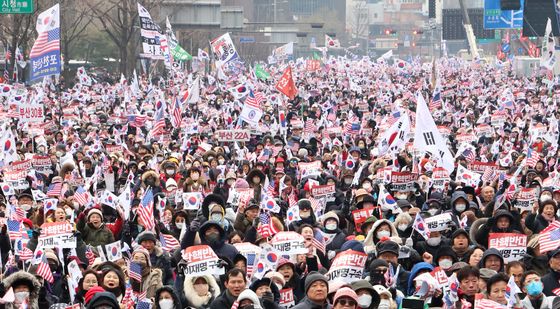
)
(469, 31)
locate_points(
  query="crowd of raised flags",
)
(308, 183)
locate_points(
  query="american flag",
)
(292, 200)
(55, 189)
(469, 155)
(22, 250)
(435, 103)
(309, 128)
(255, 100)
(137, 121)
(549, 238)
(135, 271)
(47, 41)
(144, 305)
(90, 256)
(176, 117)
(266, 228)
(81, 196)
(168, 242)
(159, 123)
(394, 117)
(484, 303)
(16, 213)
(251, 257)
(488, 174)
(318, 241)
(43, 269)
(14, 229)
(146, 210)
(532, 157)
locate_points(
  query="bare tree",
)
(75, 17)
(15, 30)
(119, 19)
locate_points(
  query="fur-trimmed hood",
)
(33, 293)
(198, 301)
(369, 244)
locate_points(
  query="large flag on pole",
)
(286, 84)
(149, 35)
(428, 138)
(548, 59)
(178, 53)
(45, 53)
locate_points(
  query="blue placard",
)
(45, 64)
(495, 18)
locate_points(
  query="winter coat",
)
(242, 224)
(551, 282)
(546, 302)
(161, 260)
(200, 302)
(152, 282)
(221, 248)
(33, 293)
(176, 302)
(223, 301)
(95, 237)
(536, 263)
(536, 223)
(306, 303)
(337, 241)
(371, 239)
(423, 266)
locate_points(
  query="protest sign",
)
(439, 222)
(403, 181)
(310, 169)
(226, 136)
(16, 179)
(512, 246)
(288, 243)
(57, 235)
(287, 299)
(347, 266)
(441, 277)
(318, 191)
(361, 215)
(201, 261)
(42, 164)
(440, 178)
(28, 112)
(526, 198)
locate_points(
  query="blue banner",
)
(495, 18)
(45, 65)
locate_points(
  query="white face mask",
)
(545, 197)
(366, 185)
(330, 226)
(381, 234)
(221, 161)
(384, 304)
(445, 263)
(402, 227)
(166, 304)
(216, 217)
(170, 171)
(180, 225)
(364, 300)
(401, 196)
(433, 211)
(434, 241)
(21, 296)
(460, 207)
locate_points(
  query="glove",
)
(195, 225)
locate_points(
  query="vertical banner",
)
(149, 35)
(45, 53)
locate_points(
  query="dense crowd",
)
(154, 192)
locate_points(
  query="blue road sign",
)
(495, 18)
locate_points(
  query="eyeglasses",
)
(347, 302)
